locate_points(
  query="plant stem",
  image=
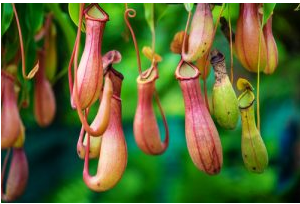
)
(129, 12)
(258, 75)
(36, 67)
(231, 47)
(153, 38)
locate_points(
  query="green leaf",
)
(30, 50)
(6, 17)
(160, 11)
(10, 44)
(35, 16)
(231, 9)
(189, 6)
(268, 10)
(149, 15)
(64, 22)
(153, 13)
(74, 14)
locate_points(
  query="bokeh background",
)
(56, 170)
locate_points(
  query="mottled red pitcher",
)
(44, 99)
(272, 51)
(247, 37)
(201, 34)
(202, 137)
(10, 117)
(17, 176)
(90, 71)
(145, 127)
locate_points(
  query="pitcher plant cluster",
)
(94, 82)
(15, 96)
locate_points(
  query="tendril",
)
(87, 153)
(231, 46)
(185, 31)
(129, 12)
(33, 71)
(166, 142)
(75, 48)
(153, 39)
(258, 74)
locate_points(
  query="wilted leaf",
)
(176, 45)
(33, 71)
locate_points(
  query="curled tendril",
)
(129, 12)
(132, 14)
(34, 70)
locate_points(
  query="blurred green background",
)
(56, 171)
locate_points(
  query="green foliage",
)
(6, 16)
(65, 24)
(153, 13)
(74, 14)
(268, 11)
(232, 10)
(149, 15)
(35, 17)
(160, 11)
(188, 6)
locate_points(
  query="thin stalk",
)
(231, 47)
(163, 117)
(75, 49)
(36, 67)
(87, 148)
(258, 75)
(185, 30)
(153, 39)
(129, 12)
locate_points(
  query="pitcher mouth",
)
(186, 71)
(148, 76)
(244, 102)
(95, 13)
(114, 71)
